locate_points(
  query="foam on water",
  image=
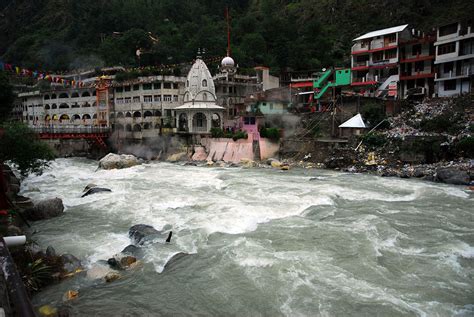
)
(307, 247)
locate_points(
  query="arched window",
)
(63, 95)
(86, 94)
(146, 126)
(46, 107)
(64, 117)
(120, 115)
(204, 96)
(157, 113)
(137, 114)
(128, 115)
(200, 120)
(137, 128)
(86, 117)
(76, 117)
(204, 83)
(147, 114)
(53, 96)
(128, 127)
(75, 105)
(63, 106)
(54, 106)
(46, 97)
(86, 105)
(74, 95)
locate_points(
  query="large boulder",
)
(199, 154)
(175, 259)
(95, 190)
(45, 209)
(111, 161)
(181, 156)
(452, 175)
(141, 233)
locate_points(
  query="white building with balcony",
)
(454, 59)
(375, 61)
(143, 107)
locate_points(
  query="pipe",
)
(14, 241)
(16, 288)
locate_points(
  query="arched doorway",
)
(199, 122)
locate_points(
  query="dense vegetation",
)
(18, 143)
(300, 34)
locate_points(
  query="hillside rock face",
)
(111, 161)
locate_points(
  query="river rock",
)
(452, 175)
(50, 252)
(248, 163)
(111, 161)
(133, 250)
(112, 276)
(95, 190)
(174, 260)
(177, 157)
(70, 263)
(142, 233)
(45, 209)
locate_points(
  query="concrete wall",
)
(268, 149)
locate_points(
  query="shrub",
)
(446, 122)
(374, 140)
(239, 135)
(270, 133)
(465, 147)
(217, 133)
(373, 114)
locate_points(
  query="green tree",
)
(18, 143)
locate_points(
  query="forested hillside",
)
(304, 34)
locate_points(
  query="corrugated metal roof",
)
(391, 30)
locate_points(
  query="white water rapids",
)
(262, 242)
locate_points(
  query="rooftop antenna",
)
(228, 30)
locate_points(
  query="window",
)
(446, 48)
(147, 86)
(167, 98)
(271, 106)
(128, 100)
(448, 29)
(224, 89)
(175, 86)
(204, 83)
(136, 87)
(416, 49)
(157, 97)
(126, 88)
(450, 84)
(136, 99)
(392, 38)
(364, 44)
(147, 98)
(175, 98)
(168, 112)
(377, 56)
(156, 85)
(204, 96)
(419, 66)
(167, 85)
(187, 83)
(448, 67)
(391, 54)
(119, 100)
(119, 89)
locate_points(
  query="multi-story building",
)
(60, 107)
(375, 62)
(417, 65)
(142, 107)
(454, 59)
(231, 90)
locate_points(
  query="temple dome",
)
(227, 62)
(199, 84)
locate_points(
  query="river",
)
(262, 242)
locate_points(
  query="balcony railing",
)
(70, 129)
(465, 71)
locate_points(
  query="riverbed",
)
(262, 242)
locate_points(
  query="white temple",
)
(200, 111)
